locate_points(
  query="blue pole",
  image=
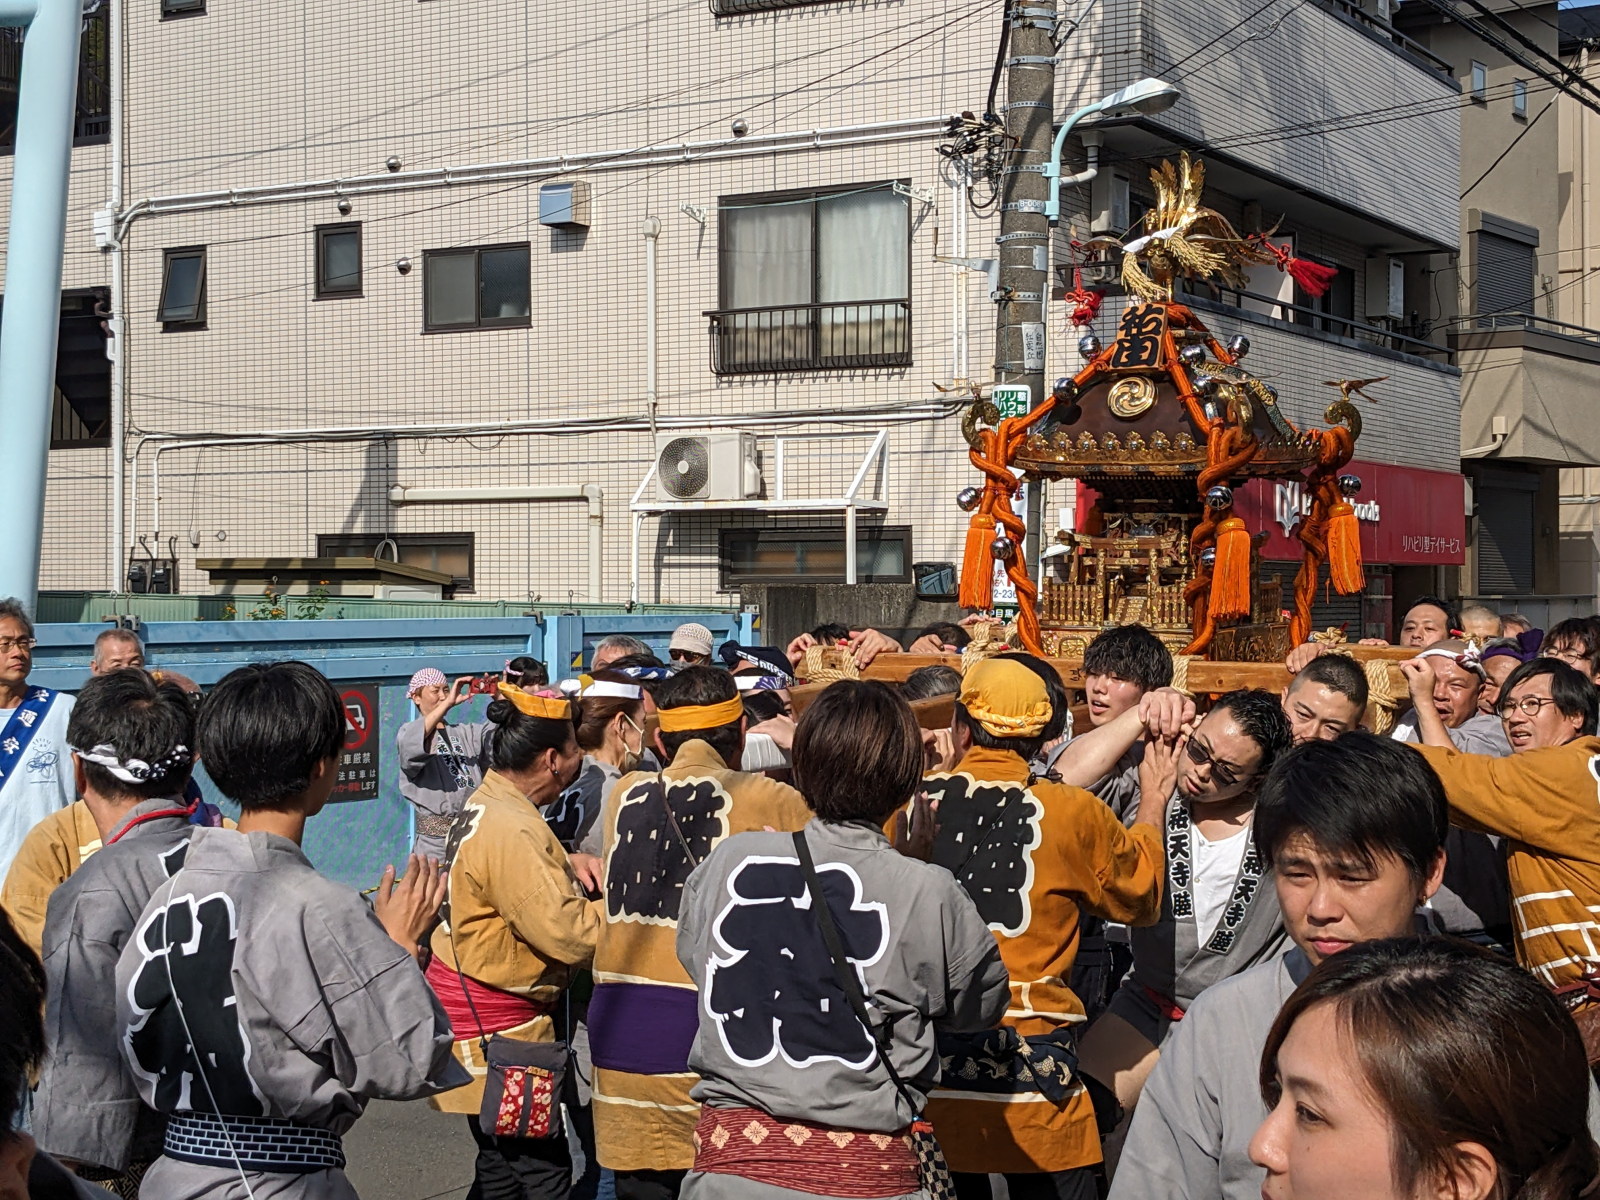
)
(40, 171)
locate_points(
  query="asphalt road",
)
(409, 1152)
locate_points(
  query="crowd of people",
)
(687, 928)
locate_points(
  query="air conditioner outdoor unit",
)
(707, 466)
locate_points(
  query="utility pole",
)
(1024, 241)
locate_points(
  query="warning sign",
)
(358, 769)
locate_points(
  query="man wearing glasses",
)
(1219, 915)
(35, 766)
(1547, 703)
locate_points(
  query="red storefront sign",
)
(1408, 516)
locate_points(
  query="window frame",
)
(320, 290)
(1519, 99)
(1478, 82)
(182, 8)
(728, 580)
(480, 322)
(466, 538)
(168, 256)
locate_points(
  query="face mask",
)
(631, 758)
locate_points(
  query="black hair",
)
(266, 727)
(1337, 673)
(1027, 748)
(1452, 616)
(1361, 797)
(22, 1041)
(138, 719)
(692, 687)
(925, 683)
(1131, 653)
(1261, 718)
(519, 739)
(762, 705)
(947, 632)
(527, 672)
(857, 752)
(1581, 632)
(830, 632)
(1574, 695)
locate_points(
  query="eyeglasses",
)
(682, 655)
(21, 643)
(1530, 706)
(1222, 772)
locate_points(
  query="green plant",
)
(315, 602)
(268, 607)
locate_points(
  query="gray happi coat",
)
(428, 777)
(85, 1107)
(927, 959)
(1168, 958)
(303, 1005)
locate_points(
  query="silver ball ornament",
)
(968, 498)
(1349, 485)
(1206, 383)
(1003, 548)
(1238, 345)
(1208, 556)
(1220, 497)
(1089, 346)
(1193, 355)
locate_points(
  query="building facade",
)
(442, 280)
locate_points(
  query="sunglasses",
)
(682, 655)
(1224, 773)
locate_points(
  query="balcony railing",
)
(811, 337)
(1477, 322)
(730, 8)
(1314, 320)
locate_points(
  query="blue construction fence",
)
(369, 824)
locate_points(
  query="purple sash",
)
(642, 1028)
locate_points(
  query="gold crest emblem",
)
(1131, 397)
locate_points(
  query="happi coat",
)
(85, 1107)
(1546, 804)
(1033, 857)
(35, 766)
(1171, 965)
(1190, 1134)
(300, 1005)
(54, 848)
(514, 919)
(775, 1030)
(643, 1014)
(436, 777)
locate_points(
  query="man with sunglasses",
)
(1219, 915)
(35, 768)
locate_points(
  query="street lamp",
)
(1144, 98)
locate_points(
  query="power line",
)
(1501, 157)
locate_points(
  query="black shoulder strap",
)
(882, 1033)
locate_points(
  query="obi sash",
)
(643, 1028)
(489, 1010)
(803, 1156)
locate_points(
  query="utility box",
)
(564, 205)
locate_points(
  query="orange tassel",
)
(1230, 578)
(977, 564)
(1344, 550)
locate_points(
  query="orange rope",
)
(1336, 449)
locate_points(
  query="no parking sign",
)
(358, 769)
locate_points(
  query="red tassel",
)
(1230, 578)
(1085, 304)
(977, 564)
(1344, 551)
(1314, 278)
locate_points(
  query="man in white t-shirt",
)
(1219, 915)
(35, 765)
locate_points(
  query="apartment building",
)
(441, 280)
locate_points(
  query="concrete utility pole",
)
(1024, 241)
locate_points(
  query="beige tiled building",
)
(294, 351)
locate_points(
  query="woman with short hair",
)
(610, 732)
(1406, 1068)
(799, 1096)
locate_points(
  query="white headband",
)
(1467, 660)
(617, 691)
(758, 683)
(134, 770)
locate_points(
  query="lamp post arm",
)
(1052, 169)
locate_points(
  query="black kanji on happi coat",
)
(654, 850)
(771, 985)
(197, 1056)
(988, 833)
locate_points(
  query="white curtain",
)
(863, 247)
(766, 255)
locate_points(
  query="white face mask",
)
(630, 757)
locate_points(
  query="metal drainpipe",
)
(119, 323)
